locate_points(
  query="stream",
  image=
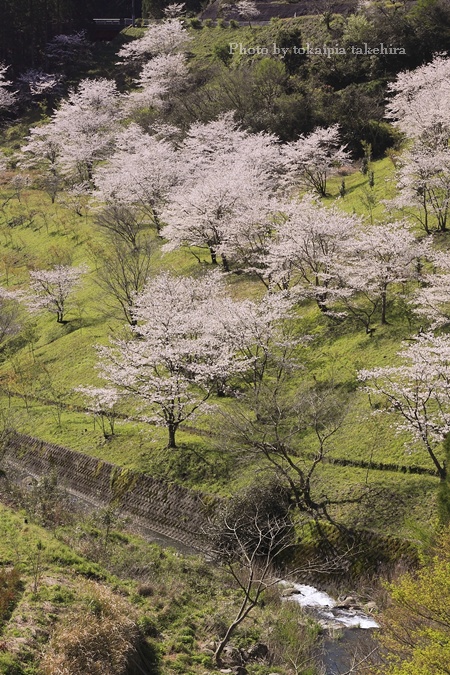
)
(354, 627)
(327, 611)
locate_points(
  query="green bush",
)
(444, 488)
(10, 666)
(179, 665)
(293, 636)
(148, 626)
(10, 587)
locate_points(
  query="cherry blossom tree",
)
(420, 102)
(432, 300)
(225, 204)
(308, 242)
(7, 97)
(244, 240)
(141, 172)
(85, 125)
(172, 366)
(248, 10)
(174, 10)
(226, 213)
(65, 52)
(205, 141)
(42, 149)
(424, 185)
(82, 131)
(52, 288)
(160, 78)
(373, 261)
(36, 84)
(311, 158)
(257, 331)
(420, 108)
(417, 394)
(102, 404)
(214, 190)
(221, 141)
(191, 339)
(166, 37)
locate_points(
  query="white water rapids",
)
(323, 607)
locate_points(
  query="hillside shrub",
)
(416, 625)
(10, 587)
(9, 665)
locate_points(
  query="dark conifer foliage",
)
(27, 25)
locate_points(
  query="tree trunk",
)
(213, 255)
(220, 386)
(231, 628)
(440, 467)
(157, 223)
(321, 299)
(383, 306)
(172, 431)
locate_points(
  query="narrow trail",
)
(338, 461)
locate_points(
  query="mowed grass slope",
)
(64, 357)
(54, 359)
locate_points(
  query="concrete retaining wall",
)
(152, 504)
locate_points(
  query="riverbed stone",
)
(287, 592)
(258, 651)
(349, 601)
(370, 607)
(232, 656)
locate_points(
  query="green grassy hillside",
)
(56, 358)
(41, 367)
(86, 598)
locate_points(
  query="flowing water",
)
(353, 626)
(324, 608)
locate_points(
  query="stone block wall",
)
(151, 504)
